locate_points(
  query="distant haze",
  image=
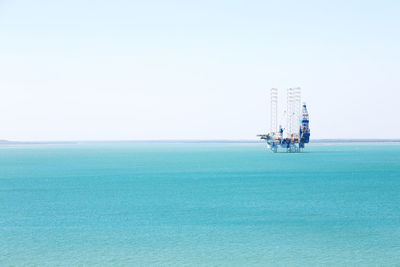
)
(126, 70)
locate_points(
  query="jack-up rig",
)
(296, 132)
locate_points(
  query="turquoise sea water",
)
(199, 204)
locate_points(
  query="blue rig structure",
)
(297, 132)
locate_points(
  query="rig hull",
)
(282, 145)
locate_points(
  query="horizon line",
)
(320, 140)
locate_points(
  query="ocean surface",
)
(124, 204)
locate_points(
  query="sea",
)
(199, 204)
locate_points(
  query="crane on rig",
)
(295, 133)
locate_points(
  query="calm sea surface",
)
(199, 204)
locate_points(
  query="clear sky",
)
(118, 70)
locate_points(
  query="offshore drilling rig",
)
(294, 132)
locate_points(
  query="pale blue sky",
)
(80, 70)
